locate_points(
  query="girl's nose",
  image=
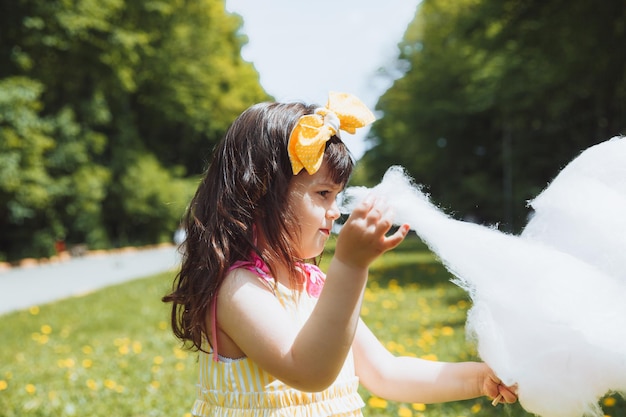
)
(333, 211)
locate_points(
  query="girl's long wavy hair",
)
(243, 194)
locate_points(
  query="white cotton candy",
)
(549, 306)
(583, 211)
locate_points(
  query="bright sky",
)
(304, 49)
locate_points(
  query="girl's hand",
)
(363, 237)
(497, 391)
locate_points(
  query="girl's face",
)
(313, 200)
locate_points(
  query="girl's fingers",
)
(508, 394)
(370, 221)
(396, 238)
(505, 395)
(363, 207)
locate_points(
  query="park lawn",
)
(111, 353)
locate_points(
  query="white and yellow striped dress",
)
(239, 388)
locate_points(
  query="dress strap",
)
(315, 279)
(214, 327)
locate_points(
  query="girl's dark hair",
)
(243, 194)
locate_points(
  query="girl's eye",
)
(324, 193)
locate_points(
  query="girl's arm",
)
(308, 357)
(409, 379)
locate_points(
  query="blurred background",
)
(109, 109)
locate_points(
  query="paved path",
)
(22, 288)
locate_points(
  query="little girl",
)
(276, 336)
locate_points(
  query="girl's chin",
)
(315, 247)
(313, 253)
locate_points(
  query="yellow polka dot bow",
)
(308, 139)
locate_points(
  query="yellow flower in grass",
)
(42, 339)
(430, 357)
(66, 363)
(476, 408)
(92, 385)
(87, 363)
(46, 329)
(447, 331)
(180, 353)
(428, 337)
(376, 402)
(120, 341)
(3, 385)
(137, 347)
(404, 412)
(418, 406)
(30, 388)
(87, 350)
(34, 310)
(158, 360)
(110, 384)
(609, 402)
(369, 295)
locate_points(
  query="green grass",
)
(111, 353)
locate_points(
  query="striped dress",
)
(239, 388)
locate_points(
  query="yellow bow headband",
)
(308, 138)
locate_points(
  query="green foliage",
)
(24, 141)
(95, 94)
(48, 181)
(497, 96)
(153, 200)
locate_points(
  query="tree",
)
(43, 180)
(498, 96)
(113, 90)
